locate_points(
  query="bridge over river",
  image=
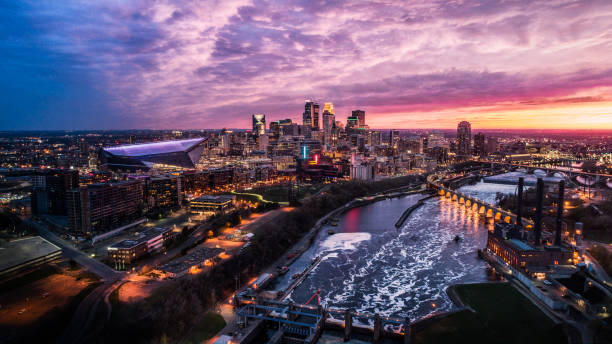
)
(483, 208)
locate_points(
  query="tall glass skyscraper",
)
(328, 117)
(310, 116)
(464, 139)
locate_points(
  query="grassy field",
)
(503, 315)
(210, 324)
(281, 193)
(41, 302)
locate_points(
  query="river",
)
(372, 267)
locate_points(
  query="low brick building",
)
(507, 243)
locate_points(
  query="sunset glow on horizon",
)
(211, 64)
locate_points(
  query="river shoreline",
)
(308, 239)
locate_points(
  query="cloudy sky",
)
(210, 64)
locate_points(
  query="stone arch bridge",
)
(485, 209)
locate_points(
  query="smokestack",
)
(519, 202)
(560, 200)
(538, 214)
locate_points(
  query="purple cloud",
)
(211, 64)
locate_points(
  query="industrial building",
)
(525, 251)
(20, 256)
(163, 154)
(506, 243)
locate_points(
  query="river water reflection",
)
(371, 266)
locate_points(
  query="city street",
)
(105, 272)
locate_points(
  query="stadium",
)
(163, 154)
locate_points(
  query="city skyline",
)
(211, 65)
(306, 171)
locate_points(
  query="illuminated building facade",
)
(464, 139)
(259, 124)
(210, 203)
(125, 252)
(506, 243)
(163, 193)
(394, 136)
(352, 123)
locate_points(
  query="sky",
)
(210, 64)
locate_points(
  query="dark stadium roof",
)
(154, 147)
(178, 153)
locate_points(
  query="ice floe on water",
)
(343, 241)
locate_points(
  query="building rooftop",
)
(22, 251)
(125, 244)
(142, 237)
(521, 244)
(215, 198)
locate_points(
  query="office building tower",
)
(435, 139)
(480, 148)
(310, 117)
(375, 138)
(288, 128)
(492, 145)
(328, 121)
(49, 190)
(162, 193)
(263, 142)
(259, 124)
(328, 107)
(464, 139)
(360, 115)
(275, 130)
(393, 138)
(352, 123)
(480, 144)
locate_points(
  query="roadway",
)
(78, 330)
(105, 272)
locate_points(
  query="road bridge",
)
(580, 177)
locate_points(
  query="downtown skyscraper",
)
(464, 139)
(310, 117)
(360, 115)
(259, 124)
